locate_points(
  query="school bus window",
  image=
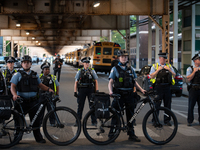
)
(78, 53)
(107, 51)
(116, 50)
(98, 50)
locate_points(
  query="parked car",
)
(3, 61)
(143, 79)
(17, 64)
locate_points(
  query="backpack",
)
(5, 107)
(102, 103)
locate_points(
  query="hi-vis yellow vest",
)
(54, 82)
(154, 80)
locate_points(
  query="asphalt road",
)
(186, 137)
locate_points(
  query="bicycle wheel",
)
(159, 133)
(64, 133)
(105, 131)
(11, 131)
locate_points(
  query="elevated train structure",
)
(101, 54)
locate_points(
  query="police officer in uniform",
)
(162, 76)
(123, 77)
(26, 83)
(58, 65)
(50, 81)
(193, 75)
(86, 83)
(8, 73)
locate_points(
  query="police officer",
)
(8, 73)
(25, 84)
(50, 81)
(58, 65)
(86, 83)
(123, 77)
(193, 75)
(162, 76)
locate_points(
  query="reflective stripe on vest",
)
(54, 81)
(6, 72)
(154, 80)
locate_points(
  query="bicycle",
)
(62, 133)
(154, 127)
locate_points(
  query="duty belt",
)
(195, 86)
(30, 99)
(123, 91)
(82, 85)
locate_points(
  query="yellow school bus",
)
(72, 58)
(77, 57)
(101, 54)
(69, 57)
(66, 57)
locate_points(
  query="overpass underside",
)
(53, 24)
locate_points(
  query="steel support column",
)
(149, 42)
(165, 31)
(157, 41)
(175, 35)
(137, 44)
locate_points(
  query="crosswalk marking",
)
(182, 129)
(188, 131)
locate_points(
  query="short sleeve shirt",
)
(190, 70)
(15, 80)
(56, 63)
(93, 73)
(153, 69)
(114, 73)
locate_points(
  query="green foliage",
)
(118, 38)
(8, 48)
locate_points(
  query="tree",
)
(117, 37)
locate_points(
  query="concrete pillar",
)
(193, 33)
(175, 35)
(137, 44)
(157, 41)
(149, 42)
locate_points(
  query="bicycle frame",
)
(38, 111)
(144, 101)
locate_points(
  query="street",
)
(186, 137)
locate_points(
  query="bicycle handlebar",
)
(19, 100)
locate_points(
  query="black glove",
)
(75, 94)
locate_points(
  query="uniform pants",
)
(129, 102)
(59, 71)
(194, 96)
(51, 118)
(82, 94)
(164, 93)
(26, 106)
